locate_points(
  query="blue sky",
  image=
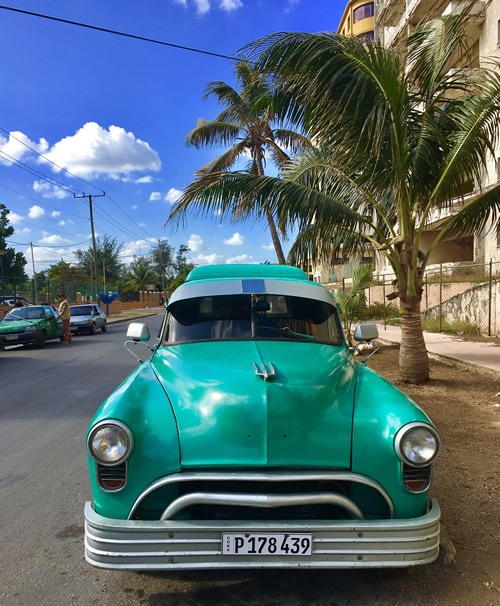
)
(115, 112)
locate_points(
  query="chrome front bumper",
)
(184, 545)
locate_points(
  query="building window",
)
(367, 37)
(363, 11)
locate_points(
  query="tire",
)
(104, 327)
(92, 329)
(40, 342)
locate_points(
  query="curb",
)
(130, 318)
(450, 361)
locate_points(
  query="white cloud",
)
(135, 249)
(62, 222)
(35, 212)
(55, 213)
(47, 190)
(155, 196)
(204, 6)
(173, 195)
(14, 218)
(94, 151)
(53, 240)
(230, 5)
(135, 207)
(147, 179)
(24, 230)
(268, 246)
(241, 259)
(195, 242)
(206, 259)
(16, 147)
(235, 240)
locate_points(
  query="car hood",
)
(18, 325)
(228, 415)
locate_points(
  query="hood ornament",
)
(264, 373)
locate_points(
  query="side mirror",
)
(137, 331)
(366, 332)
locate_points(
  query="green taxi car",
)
(253, 438)
(32, 325)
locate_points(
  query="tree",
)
(63, 272)
(399, 140)
(140, 274)
(108, 257)
(246, 124)
(162, 261)
(13, 263)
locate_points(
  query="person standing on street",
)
(64, 316)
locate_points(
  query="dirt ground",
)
(465, 407)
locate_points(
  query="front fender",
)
(141, 403)
(380, 409)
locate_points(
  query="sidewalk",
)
(482, 356)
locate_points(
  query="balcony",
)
(389, 12)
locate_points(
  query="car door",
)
(53, 325)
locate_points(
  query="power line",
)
(36, 173)
(123, 34)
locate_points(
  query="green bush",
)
(379, 311)
(456, 327)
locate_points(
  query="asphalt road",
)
(47, 398)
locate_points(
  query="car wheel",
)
(92, 329)
(40, 342)
(104, 327)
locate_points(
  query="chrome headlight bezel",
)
(423, 435)
(121, 438)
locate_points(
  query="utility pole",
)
(35, 291)
(94, 246)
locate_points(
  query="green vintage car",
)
(33, 325)
(253, 438)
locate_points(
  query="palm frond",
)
(210, 132)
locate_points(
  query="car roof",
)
(214, 280)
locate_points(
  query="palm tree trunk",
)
(275, 238)
(413, 359)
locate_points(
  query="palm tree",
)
(246, 125)
(140, 274)
(399, 141)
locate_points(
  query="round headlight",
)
(417, 444)
(110, 442)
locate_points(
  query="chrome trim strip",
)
(191, 545)
(271, 476)
(261, 500)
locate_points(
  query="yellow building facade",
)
(358, 19)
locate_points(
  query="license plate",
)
(250, 543)
(11, 337)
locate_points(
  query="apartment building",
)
(358, 20)
(392, 21)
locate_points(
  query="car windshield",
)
(24, 313)
(81, 310)
(229, 317)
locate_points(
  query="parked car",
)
(35, 324)
(252, 437)
(11, 301)
(87, 318)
